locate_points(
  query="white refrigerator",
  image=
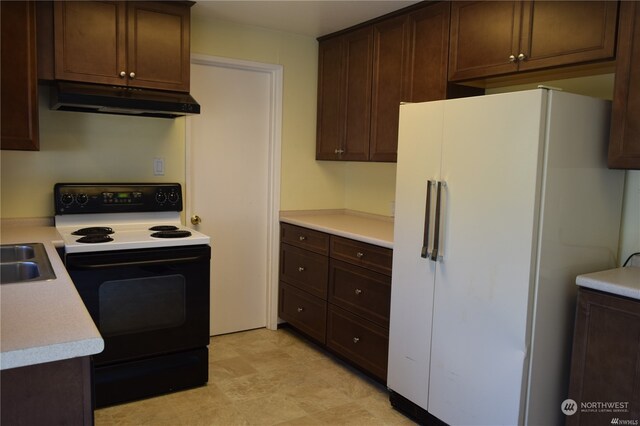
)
(501, 201)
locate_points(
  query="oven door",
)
(145, 302)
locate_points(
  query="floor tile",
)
(266, 377)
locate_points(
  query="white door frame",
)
(273, 185)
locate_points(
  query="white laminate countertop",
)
(620, 281)
(42, 321)
(368, 228)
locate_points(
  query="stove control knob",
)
(82, 198)
(161, 197)
(67, 199)
(173, 197)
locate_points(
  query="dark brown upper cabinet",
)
(344, 96)
(624, 143)
(137, 44)
(19, 73)
(365, 73)
(493, 38)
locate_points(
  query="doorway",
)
(233, 186)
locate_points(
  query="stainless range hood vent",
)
(104, 99)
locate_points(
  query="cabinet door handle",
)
(300, 309)
(512, 58)
(123, 74)
(338, 151)
(356, 339)
(302, 238)
(358, 292)
(300, 268)
(359, 255)
(132, 75)
(522, 57)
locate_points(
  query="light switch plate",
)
(158, 166)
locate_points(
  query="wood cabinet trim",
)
(20, 121)
(369, 296)
(604, 49)
(456, 71)
(603, 311)
(370, 355)
(624, 146)
(304, 269)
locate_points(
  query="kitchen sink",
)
(24, 263)
(16, 253)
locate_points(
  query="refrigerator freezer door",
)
(413, 276)
(491, 151)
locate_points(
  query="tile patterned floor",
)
(265, 377)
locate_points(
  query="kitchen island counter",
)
(365, 227)
(43, 321)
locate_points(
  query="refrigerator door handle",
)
(427, 213)
(436, 228)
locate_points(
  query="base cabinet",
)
(605, 364)
(337, 291)
(53, 393)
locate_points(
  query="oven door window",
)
(145, 304)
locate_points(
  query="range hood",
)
(106, 99)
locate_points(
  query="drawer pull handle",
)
(359, 255)
(358, 291)
(300, 309)
(300, 268)
(302, 238)
(356, 339)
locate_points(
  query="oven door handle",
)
(159, 262)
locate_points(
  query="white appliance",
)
(519, 202)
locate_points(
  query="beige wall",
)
(81, 147)
(306, 183)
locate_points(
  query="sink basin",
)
(24, 263)
(19, 271)
(16, 253)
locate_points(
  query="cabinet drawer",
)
(307, 239)
(362, 254)
(303, 311)
(359, 340)
(306, 270)
(360, 291)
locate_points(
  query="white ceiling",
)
(308, 17)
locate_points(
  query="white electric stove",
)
(108, 217)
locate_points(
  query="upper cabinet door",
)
(492, 38)
(357, 94)
(624, 143)
(19, 94)
(90, 41)
(330, 125)
(567, 32)
(158, 45)
(426, 74)
(389, 64)
(484, 35)
(344, 96)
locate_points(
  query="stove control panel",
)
(73, 198)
